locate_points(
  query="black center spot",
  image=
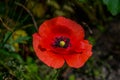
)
(57, 41)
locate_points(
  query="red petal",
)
(77, 30)
(49, 58)
(83, 45)
(36, 40)
(61, 26)
(46, 35)
(77, 60)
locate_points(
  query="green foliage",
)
(113, 6)
(12, 66)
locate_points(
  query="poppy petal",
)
(72, 25)
(49, 58)
(62, 26)
(83, 46)
(78, 59)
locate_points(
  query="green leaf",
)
(113, 6)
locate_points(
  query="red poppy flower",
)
(61, 40)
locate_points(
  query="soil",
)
(108, 45)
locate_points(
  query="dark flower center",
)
(62, 42)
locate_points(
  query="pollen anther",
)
(62, 43)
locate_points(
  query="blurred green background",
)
(19, 19)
